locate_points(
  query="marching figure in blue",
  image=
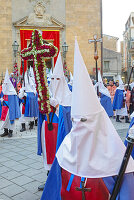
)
(119, 102)
(60, 96)
(90, 151)
(10, 108)
(105, 98)
(29, 103)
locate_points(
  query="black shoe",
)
(41, 187)
(47, 172)
(31, 124)
(122, 117)
(117, 120)
(23, 127)
(5, 132)
(127, 119)
(10, 134)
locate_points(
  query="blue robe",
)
(31, 106)
(70, 87)
(131, 124)
(1, 95)
(52, 190)
(107, 104)
(14, 109)
(118, 100)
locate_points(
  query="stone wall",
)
(83, 20)
(5, 36)
(110, 42)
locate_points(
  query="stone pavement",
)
(21, 170)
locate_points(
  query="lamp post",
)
(15, 48)
(65, 50)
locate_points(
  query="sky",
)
(115, 16)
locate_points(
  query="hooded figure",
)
(105, 98)
(13, 80)
(60, 101)
(60, 96)
(29, 107)
(10, 108)
(91, 150)
(119, 102)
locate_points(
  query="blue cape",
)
(131, 124)
(31, 106)
(1, 95)
(107, 105)
(118, 99)
(14, 109)
(70, 87)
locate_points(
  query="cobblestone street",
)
(21, 170)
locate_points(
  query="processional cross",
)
(37, 52)
(83, 189)
(95, 52)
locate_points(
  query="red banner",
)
(46, 35)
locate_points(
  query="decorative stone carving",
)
(45, 1)
(39, 10)
(39, 17)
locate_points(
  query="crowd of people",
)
(77, 139)
(18, 101)
(128, 96)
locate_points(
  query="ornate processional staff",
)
(37, 52)
(96, 54)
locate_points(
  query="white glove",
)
(131, 132)
(25, 94)
(53, 102)
(124, 93)
(1, 99)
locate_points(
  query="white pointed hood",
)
(121, 84)
(131, 85)
(58, 85)
(31, 72)
(93, 148)
(81, 87)
(7, 86)
(29, 84)
(102, 88)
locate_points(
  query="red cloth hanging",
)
(48, 35)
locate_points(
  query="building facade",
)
(128, 46)
(59, 20)
(112, 62)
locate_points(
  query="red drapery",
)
(48, 35)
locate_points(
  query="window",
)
(106, 66)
